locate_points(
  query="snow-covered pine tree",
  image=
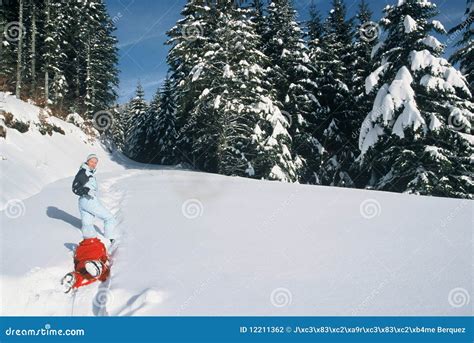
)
(101, 58)
(26, 16)
(314, 26)
(150, 149)
(292, 78)
(19, 50)
(136, 134)
(335, 128)
(258, 17)
(67, 51)
(30, 29)
(48, 52)
(61, 15)
(235, 105)
(35, 9)
(465, 54)
(164, 135)
(91, 53)
(187, 39)
(8, 45)
(116, 131)
(366, 38)
(310, 148)
(416, 138)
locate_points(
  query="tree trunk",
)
(88, 80)
(19, 62)
(47, 62)
(33, 49)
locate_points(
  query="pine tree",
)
(118, 126)
(9, 33)
(335, 128)
(33, 45)
(187, 39)
(310, 147)
(232, 123)
(61, 51)
(136, 134)
(315, 27)
(64, 37)
(150, 148)
(19, 60)
(366, 38)
(221, 115)
(415, 139)
(292, 78)
(164, 134)
(465, 54)
(49, 49)
(101, 59)
(258, 17)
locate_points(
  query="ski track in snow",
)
(112, 197)
(40, 288)
(40, 223)
(103, 294)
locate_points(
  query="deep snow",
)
(202, 244)
(226, 251)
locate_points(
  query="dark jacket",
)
(78, 185)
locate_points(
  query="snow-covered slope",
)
(31, 160)
(201, 244)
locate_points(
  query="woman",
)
(91, 261)
(85, 185)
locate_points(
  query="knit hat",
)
(90, 156)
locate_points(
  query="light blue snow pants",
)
(90, 209)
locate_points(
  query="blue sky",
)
(142, 25)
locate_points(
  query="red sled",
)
(91, 263)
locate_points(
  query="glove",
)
(86, 193)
